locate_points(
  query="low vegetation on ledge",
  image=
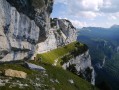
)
(63, 54)
(54, 78)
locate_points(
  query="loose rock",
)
(15, 73)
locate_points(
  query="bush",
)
(38, 3)
(59, 32)
(78, 49)
(72, 68)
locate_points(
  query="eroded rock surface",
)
(81, 65)
(62, 32)
(23, 24)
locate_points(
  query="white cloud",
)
(113, 18)
(85, 5)
(76, 6)
(89, 14)
(60, 1)
(92, 5)
(78, 24)
(107, 4)
(86, 14)
(100, 11)
(110, 6)
(89, 5)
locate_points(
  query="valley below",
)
(103, 44)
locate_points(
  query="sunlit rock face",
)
(49, 44)
(22, 26)
(62, 32)
(82, 65)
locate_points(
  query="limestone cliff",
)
(23, 24)
(27, 30)
(62, 32)
(81, 65)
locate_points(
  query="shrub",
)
(59, 31)
(38, 3)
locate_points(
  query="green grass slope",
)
(71, 50)
(54, 78)
(50, 56)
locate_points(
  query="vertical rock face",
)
(26, 28)
(23, 24)
(81, 65)
(61, 33)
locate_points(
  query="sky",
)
(84, 13)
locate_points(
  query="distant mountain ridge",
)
(114, 26)
(91, 27)
(99, 32)
(103, 44)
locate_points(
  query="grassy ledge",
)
(63, 77)
(69, 51)
(55, 78)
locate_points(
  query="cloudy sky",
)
(83, 13)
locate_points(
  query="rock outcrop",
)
(34, 67)
(27, 30)
(15, 73)
(23, 24)
(81, 65)
(62, 32)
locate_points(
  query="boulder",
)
(34, 67)
(15, 73)
(71, 81)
